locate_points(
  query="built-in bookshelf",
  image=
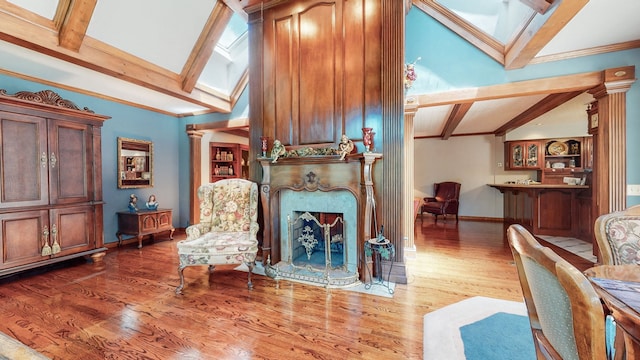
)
(228, 160)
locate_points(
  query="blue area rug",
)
(499, 336)
(478, 328)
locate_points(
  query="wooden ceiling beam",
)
(552, 85)
(540, 31)
(540, 108)
(106, 59)
(202, 50)
(75, 22)
(457, 113)
(239, 88)
(242, 123)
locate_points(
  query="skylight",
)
(502, 19)
(235, 29)
(45, 8)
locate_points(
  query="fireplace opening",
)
(326, 221)
(317, 240)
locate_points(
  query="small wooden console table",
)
(144, 222)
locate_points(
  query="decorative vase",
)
(367, 138)
(263, 141)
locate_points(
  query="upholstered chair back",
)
(446, 190)
(228, 205)
(566, 315)
(618, 237)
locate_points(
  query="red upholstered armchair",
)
(444, 201)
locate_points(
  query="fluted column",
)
(392, 94)
(195, 172)
(611, 162)
(410, 109)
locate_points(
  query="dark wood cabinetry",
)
(566, 157)
(50, 168)
(523, 155)
(554, 159)
(228, 160)
(556, 210)
(144, 222)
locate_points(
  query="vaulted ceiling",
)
(191, 57)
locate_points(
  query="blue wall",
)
(126, 121)
(171, 181)
(449, 62)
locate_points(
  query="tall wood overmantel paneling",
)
(317, 77)
(319, 69)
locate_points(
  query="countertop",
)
(538, 186)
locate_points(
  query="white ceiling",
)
(163, 41)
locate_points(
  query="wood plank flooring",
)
(125, 307)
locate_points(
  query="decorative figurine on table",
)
(152, 204)
(133, 202)
(277, 151)
(345, 147)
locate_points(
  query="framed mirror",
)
(135, 163)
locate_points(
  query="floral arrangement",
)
(410, 74)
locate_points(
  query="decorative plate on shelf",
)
(558, 148)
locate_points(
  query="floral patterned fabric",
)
(623, 235)
(228, 228)
(218, 248)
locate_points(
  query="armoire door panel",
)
(74, 229)
(22, 237)
(70, 167)
(23, 161)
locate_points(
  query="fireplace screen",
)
(317, 240)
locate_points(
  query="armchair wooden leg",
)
(181, 286)
(250, 265)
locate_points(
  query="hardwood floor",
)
(125, 307)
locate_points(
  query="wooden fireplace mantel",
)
(314, 173)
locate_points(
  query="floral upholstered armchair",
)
(618, 237)
(227, 232)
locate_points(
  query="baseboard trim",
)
(461, 217)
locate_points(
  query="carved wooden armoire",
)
(51, 176)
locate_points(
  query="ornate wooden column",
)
(195, 172)
(410, 109)
(370, 205)
(393, 132)
(610, 178)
